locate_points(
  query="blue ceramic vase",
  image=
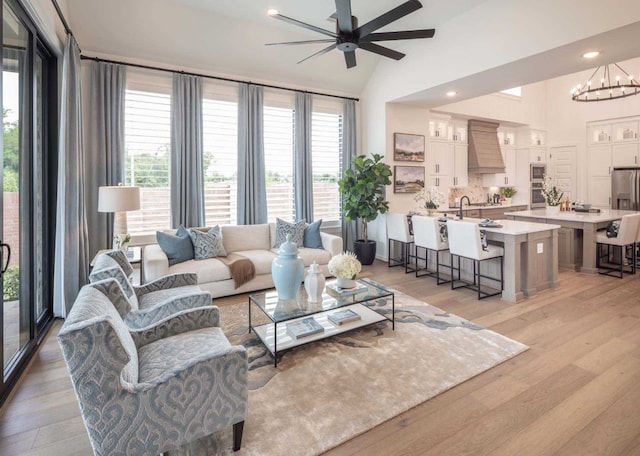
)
(287, 270)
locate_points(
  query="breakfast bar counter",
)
(578, 233)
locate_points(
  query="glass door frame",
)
(28, 188)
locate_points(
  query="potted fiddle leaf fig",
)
(362, 188)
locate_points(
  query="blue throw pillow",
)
(312, 239)
(178, 247)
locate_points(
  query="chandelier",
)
(622, 85)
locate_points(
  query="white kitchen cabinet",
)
(600, 191)
(536, 154)
(439, 159)
(624, 155)
(625, 131)
(458, 131)
(507, 136)
(600, 160)
(439, 129)
(442, 183)
(599, 133)
(460, 175)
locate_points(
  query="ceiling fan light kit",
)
(348, 36)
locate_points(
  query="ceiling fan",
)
(349, 37)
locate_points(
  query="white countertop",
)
(605, 215)
(515, 227)
(471, 208)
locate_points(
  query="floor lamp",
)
(119, 199)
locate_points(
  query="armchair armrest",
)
(332, 243)
(147, 317)
(186, 320)
(168, 281)
(154, 262)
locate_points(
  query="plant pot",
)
(553, 210)
(507, 201)
(345, 283)
(365, 251)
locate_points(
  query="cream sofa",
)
(252, 241)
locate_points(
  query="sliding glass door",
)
(24, 238)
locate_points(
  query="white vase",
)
(314, 283)
(507, 201)
(553, 210)
(346, 283)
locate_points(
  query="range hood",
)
(484, 149)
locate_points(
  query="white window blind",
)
(220, 119)
(278, 152)
(147, 156)
(326, 147)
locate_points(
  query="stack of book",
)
(343, 316)
(304, 328)
(337, 292)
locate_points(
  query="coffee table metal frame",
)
(274, 336)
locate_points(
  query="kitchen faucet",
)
(468, 202)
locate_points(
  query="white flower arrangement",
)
(122, 240)
(552, 194)
(345, 265)
(431, 196)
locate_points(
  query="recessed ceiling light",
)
(272, 12)
(591, 54)
(452, 93)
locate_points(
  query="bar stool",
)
(627, 236)
(465, 242)
(427, 236)
(398, 233)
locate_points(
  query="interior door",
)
(563, 169)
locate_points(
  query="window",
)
(326, 146)
(220, 119)
(516, 91)
(278, 154)
(147, 155)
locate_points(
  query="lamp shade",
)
(118, 198)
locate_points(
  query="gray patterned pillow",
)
(296, 230)
(207, 245)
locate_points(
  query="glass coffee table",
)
(373, 303)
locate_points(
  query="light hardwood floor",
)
(575, 392)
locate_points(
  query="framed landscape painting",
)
(408, 147)
(408, 179)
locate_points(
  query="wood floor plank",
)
(576, 388)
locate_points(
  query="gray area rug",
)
(328, 392)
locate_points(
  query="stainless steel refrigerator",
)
(625, 189)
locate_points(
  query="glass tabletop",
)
(283, 310)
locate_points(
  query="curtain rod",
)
(63, 20)
(219, 78)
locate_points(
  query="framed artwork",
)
(408, 179)
(408, 147)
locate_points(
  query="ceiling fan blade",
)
(343, 15)
(388, 17)
(404, 35)
(320, 52)
(328, 40)
(304, 25)
(350, 59)
(381, 50)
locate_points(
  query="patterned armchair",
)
(114, 265)
(157, 388)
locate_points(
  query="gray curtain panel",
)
(72, 241)
(187, 164)
(104, 146)
(349, 135)
(252, 187)
(302, 162)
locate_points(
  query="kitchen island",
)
(530, 257)
(577, 238)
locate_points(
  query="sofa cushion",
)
(295, 229)
(261, 259)
(153, 298)
(178, 247)
(161, 359)
(209, 270)
(312, 239)
(207, 244)
(246, 237)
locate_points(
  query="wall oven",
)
(537, 171)
(537, 198)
